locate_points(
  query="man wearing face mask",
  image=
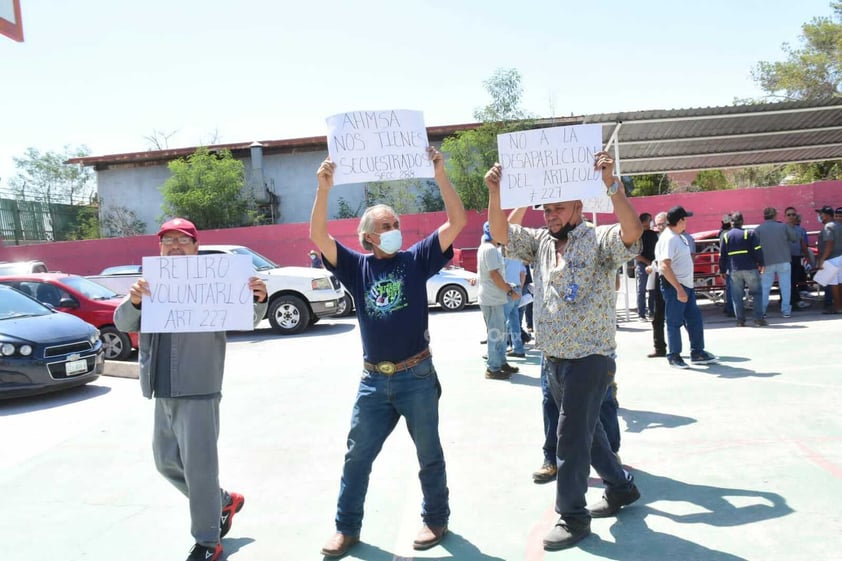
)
(398, 378)
(575, 264)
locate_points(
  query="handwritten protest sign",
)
(378, 146)
(550, 165)
(197, 293)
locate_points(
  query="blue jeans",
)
(740, 281)
(784, 271)
(495, 325)
(512, 313)
(642, 277)
(381, 401)
(579, 386)
(682, 313)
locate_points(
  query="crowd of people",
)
(571, 268)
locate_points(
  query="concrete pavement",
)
(741, 460)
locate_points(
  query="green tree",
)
(711, 180)
(811, 71)
(471, 152)
(406, 196)
(650, 184)
(757, 176)
(46, 178)
(207, 188)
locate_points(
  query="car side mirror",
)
(68, 303)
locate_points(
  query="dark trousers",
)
(579, 386)
(658, 321)
(797, 276)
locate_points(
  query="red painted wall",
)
(288, 244)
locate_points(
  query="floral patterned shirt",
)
(585, 324)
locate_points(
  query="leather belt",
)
(389, 368)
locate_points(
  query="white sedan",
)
(452, 288)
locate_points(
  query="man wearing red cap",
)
(183, 372)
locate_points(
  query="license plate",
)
(76, 367)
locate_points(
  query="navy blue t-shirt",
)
(391, 296)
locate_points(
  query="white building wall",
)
(291, 176)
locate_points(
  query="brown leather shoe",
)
(339, 544)
(428, 536)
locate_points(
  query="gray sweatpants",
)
(184, 445)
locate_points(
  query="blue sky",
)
(106, 73)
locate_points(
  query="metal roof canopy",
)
(656, 141)
(663, 141)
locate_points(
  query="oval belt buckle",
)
(386, 367)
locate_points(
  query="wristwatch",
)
(612, 189)
(510, 292)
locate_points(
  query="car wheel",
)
(289, 314)
(452, 298)
(116, 345)
(346, 306)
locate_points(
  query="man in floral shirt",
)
(575, 264)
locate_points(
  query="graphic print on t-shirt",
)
(385, 296)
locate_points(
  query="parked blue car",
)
(42, 350)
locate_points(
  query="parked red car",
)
(82, 298)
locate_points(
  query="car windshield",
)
(122, 270)
(90, 289)
(13, 305)
(260, 263)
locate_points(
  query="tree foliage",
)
(46, 178)
(207, 188)
(471, 152)
(811, 71)
(711, 180)
(650, 184)
(406, 196)
(121, 222)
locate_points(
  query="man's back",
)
(775, 237)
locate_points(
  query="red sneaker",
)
(233, 506)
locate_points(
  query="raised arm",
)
(456, 216)
(630, 227)
(496, 216)
(318, 217)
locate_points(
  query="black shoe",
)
(656, 354)
(497, 374)
(613, 501)
(676, 361)
(233, 506)
(702, 357)
(204, 553)
(564, 535)
(516, 355)
(508, 368)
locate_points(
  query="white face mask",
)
(390, 242)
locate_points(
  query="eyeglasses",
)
(790, 214)
(660, 224)
(183, 240)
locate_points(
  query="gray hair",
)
(366, 225)
(769, 212)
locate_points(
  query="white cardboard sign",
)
(378, 146)
(550, 165)
(198, 293)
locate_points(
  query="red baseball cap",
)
(179, 225)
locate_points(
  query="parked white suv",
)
(298, 296)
